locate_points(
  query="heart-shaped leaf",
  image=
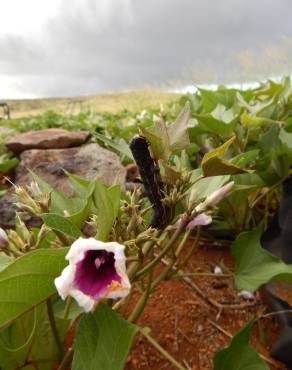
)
(28, 281)
(254, 265)
(103, 340)
(239, 355)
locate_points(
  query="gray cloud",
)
(98, 46)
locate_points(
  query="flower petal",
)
(84, 301)
(64, 283)
(200, 220)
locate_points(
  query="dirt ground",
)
(189, 328)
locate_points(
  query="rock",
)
(88, 161)
(52, 138)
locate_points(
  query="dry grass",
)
(112, 103)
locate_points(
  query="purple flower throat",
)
(96, 272)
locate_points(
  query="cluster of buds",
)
(31, 200)
(131, 222)
(23, 240)
(134, 246)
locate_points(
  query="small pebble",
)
(218, 270)
(248, 296)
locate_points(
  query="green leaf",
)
(210, 99)
(121, 147)
(81, 187)
(158, 139)
(244, 159)
(15, 341)
(44, 345)
(239, 355)
(103, 340)
(254, 266)
(4, 261)
(286, 138)
(218, 152)
(114, 194)
(28, 281)
(214, 165)
(249, 120)
(169, 173)
(60, 223)
(59, 201)
(30, 338)
(206, 187)
(78, 219)
(7, 163)
(178, 131)
(107, 202)
(210, 124)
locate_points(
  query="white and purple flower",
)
(96, 270)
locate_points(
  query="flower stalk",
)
(53, 326)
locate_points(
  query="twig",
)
(185, 336)
(161, 350)
(204, 274)
(175, 332)
(225, 332)
(187, 365)
(275, 313)
(210, 300)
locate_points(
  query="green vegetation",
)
(223, 156)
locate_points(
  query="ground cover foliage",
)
(222, 157)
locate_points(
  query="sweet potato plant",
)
(215, 170)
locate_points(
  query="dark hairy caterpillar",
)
(149, 173)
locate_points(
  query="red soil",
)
(188, 327)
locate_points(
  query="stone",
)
(52, 138)
(88, 161)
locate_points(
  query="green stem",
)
(183, 242)
(168, 268)
(191, 251)
(54, 327)
(168, 246)
(67, 307)
(273, 187)
(66, 362)
(142, 301)
(63, 239)
(161, 350)
(134, 266)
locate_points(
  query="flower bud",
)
(216, 197)
(3, 238)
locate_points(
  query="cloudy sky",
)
(78, 47)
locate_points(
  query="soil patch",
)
(189, 328)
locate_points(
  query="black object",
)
(277, 239)
(6, 110)
(150, 176)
